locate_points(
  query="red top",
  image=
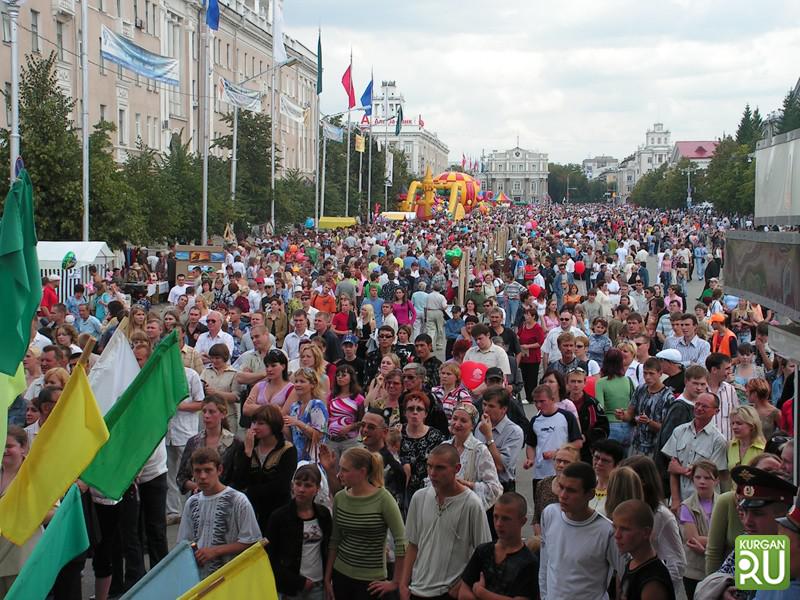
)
(341, 322)
(533, 335)
(49, 297)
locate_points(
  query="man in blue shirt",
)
(374, 300)
(77, 298)
(86, 323)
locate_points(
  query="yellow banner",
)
(359, 143)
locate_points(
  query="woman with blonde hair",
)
(57, 377)
(748, 437)
(366, 328)
(311, 357)
(137, 317)
(363, 512)
(623, 484)
(634, 370)
(308, 416)
(451, 392)
(758, 394)
(66, 335)
(202, 306)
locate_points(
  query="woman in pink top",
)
(666, 270)
(274, 388)
(403, 308)
(345, 409)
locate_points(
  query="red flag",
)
(421, 122)
(347, 82)
(463, 161)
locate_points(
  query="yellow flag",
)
(66, 444)
(10, 388)
(359, 143)
(249, 575)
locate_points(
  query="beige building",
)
(520, 174)
(152, 111)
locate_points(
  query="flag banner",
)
(174, 574)
(114, 371)
(240, 96)
(20, 279)
(212, 15)
(347, 83)
(359, 143)
(65, 445)
(399, 121)
(292, 110)
(63, 539)
(388, 175)
(319, 62)
(138, 420)
(249, 575)
(10, 388)
(122, 51)
(278, 49)
(366, 100)
(420, 122)
(332, 132)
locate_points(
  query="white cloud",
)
(571, 78)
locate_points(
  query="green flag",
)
(138, 420)
(19, 273)
(319, 62)
(64, 539)
(399, 124)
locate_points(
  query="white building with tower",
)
(656, 151)
(520, 174)
(421, 146)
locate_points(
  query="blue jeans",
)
(700, 265)
(512, 306)
(621, 432)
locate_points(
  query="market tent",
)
(87, 253)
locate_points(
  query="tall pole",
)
(272, 141)
(347, 169)
(204, 99)
(360, 173)
(369, 174)
(233, 153)
(13, 13)
(85, 112)
(324, 166)
(316, 163)
(385, 143)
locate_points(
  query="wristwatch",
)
(490, 442)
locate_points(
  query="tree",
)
(560, 175)
(790, 119)
(644, 192)
(50, 149)
(746, 132)
(730, 178)
(296, 198)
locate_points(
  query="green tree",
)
(296, 198)
(644, 192)
(558, 178)
(730, 178)
(51, 151)
(746, 133)
(115, 212)
(790, 119)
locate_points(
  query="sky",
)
(572, 78)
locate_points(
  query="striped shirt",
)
(728, 401)
(359, 534)
(693, 353)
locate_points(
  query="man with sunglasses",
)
(372, 364)
(550, 351)
(214, 335)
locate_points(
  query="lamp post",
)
(688, 171)
(13, 15)
(274, 70)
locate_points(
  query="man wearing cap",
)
(724, 340)
(349, 347)
(49, 295)
(766, 497)
(256, 294)
(790, 527)
(696, 440)
(672, 369)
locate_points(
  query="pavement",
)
(523, 476)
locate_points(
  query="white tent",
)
(87, 253)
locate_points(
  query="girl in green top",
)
(613, 391)
(362, 514)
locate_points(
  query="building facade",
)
(520, 174)
(150, 111)
(598, 166)
(421, 146)
(656, 151)
(698, 153)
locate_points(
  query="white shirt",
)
(205, 341)
(550, 346)
(291, 343)
(728, 402)
(494, 356)
(176, 292)
(184, 424)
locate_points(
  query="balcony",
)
(64, 7)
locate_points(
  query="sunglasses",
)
(385, 336)
(565, 319)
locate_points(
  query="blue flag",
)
(366, 99)
(212, 15)
(175, 574)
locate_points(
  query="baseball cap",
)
(259, 280)
(297, 288)
(494, 373)
(350, 339)
(53, 278)
(269, 281)
(759, 488)
(670, 355)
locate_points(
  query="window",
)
(408, 148)
(102, 61)
(34, 31)
(102, 112)
(60, 40)
(119, 8)
(8, 103)
(101, 5)
(174, 51)
(138, 124)
(228, 56)
(245, 64)
(533, 187)
(147, 15)
(119, 72)
(500, 187)
(517, 187)
(121, 127)
(149, 120)
(135, 11)
(6, 28)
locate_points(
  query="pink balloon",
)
(473, 374)
(580, 267)
(534, 223)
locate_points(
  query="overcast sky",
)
(572, 78)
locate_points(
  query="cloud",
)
(570, 78)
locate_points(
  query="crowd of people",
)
(353, 406)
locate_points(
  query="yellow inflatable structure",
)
(463, 196)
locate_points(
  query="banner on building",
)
(124, 52)
(239, 96)
(332, 132)
(292, 110)
(388, 175)
(359, 143)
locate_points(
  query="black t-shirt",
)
(517, 575)
(394, 478)
(676, 382)
(633, 582)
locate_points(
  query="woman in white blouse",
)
(478, 471)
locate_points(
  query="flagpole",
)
(272, 126)
(316, 164)
(360, 172)
(13, 13)
(324, 168)
(233, 153)
(369, 175)
(386, 144)
(85, 114)
(347, 170)
(204, 98)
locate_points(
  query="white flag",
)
(278, 49)
(113, 372)
(292, 110)
(388, 174)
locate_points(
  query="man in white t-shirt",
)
(220, 520)
(214, 335)
(487, 353)
(178, 290)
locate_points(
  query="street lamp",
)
(688, 171)
(272, 69)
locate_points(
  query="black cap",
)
(494, 373)
(759, 488)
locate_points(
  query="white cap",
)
(269, 281)
(671, 355)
